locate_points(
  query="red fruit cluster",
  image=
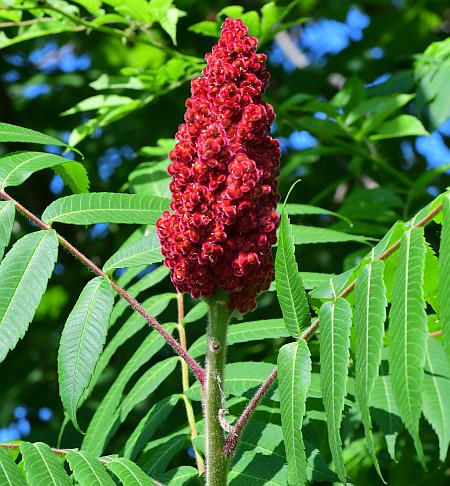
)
(224, 169)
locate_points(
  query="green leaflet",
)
(197, 312)
(148, 425)
(436, 393)
(146, 384)
(24, 274)
(7, 214)
(88, 470)
(257, 470)
(369, 318)
(266, 439)
(82, 341)
(294, 377)
(375, 110)
(96, 102)
(14, 133)
(129, 275)
(154, 306)
(129, 473)
(444, 287)
(333, 285)
(74, 175)
(159, 453)
(151, 178)
(261, 438)
(9, 472)
(300, 209)
(142, 284)
(180, 476)
(408, 332)
(401, 126)
(290, 291)
(335, 322)
(306, 235)
(385, 412)
(106, 417)
(17, 167)
(105, 207)
(144, 251)
(42, 466)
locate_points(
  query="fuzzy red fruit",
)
(224, 170)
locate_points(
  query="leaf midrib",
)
(406, 319)
(88, 464)
(46, 465)
(6, 473)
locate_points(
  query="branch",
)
(233, 437)
(198, 371)
(59, 452)
(23, 23)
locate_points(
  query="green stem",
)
(185, 384)
(214, 398)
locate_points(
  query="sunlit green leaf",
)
(42, 466)
(402, 126)
(17, 167)
(129, 473)
(9, 472)
(24, 274)
(14, 133)
(144, 251)
(144, 431)
(444, 287)
(294, 376)
(369, 318)
(82, 342)
(335, 322)
(7, 214)
(105, 207)
(87, 469)
(290, 291)
(408, 332)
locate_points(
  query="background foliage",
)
(363, 117)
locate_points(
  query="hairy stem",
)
(198, 371)
(185, 385)
(213, 394)
(233, 438)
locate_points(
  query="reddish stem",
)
(198, 371)
(233, 437)
(59, 452)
